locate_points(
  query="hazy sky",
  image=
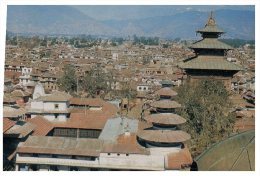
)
(137, 12)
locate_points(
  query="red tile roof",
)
(165, 104)
(166, 91)
(43, 126)
(165, 119)
(126, 143)
(179, 160)
(164, 136)
(8, 124)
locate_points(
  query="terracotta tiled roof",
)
(125, 143)
(56, 96)
(43, 126)
(144, 125)
(165, 104)
(179, 160)
(166, 136)
(165, 118)
(61, 146)
(83, 121)
(19, 93)
(87, 101)
(7, 124)
(20, 129)
(12, 112)
(12, 74)
(8, 98)
(166, 91)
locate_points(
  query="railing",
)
(80, 163)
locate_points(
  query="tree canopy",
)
(68, 82)
(206, 107)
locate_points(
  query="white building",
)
(25, 78)
(117, 148)
(143, 88)
(53, 107)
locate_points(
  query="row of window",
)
(118, 154)
(82, 133)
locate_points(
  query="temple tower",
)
(210, 60)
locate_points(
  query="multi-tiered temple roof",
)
(210, 51)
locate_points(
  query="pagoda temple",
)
(165, 134)
(210, 60)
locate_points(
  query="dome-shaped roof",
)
(166, 91)
(236, 153)
(164, 136)
(165, 119)
(166, 104)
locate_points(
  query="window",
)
(108, 153)
(118, 154)
(127, 154)
(56, 116)
(56, 106)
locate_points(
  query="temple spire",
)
(211, 20)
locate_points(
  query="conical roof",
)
(211, 26)
(166, 91)
(165, 104)
(210, 43)
(164, 136)
(209, 63)
(165, 119)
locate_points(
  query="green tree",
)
(95, 82)
(68, 82)
(206, 107)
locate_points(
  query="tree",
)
(206, 107)
(68, 82)
(94, 82)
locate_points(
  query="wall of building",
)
(51, 106)
(37, 105)
(53, 117)
(132, 160)
(105, 161)
(142, 88)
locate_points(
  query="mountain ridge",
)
(69, 20)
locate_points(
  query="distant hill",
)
(69, 20)
(53, 20)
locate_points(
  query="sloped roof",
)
(117, 126)
(125, 143)
(87, 101)
(13, 112)
(164, 136)
(165, 118)
(43, 126)
(83, 121)
(56, 96)
(209, 63)
(166, 91)
(61, 146)
(208, 28)
(178, 160)
(7, 124)
(210, 43)
(211, 26)
(20, 129)
(165, 104)
(236, 153)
